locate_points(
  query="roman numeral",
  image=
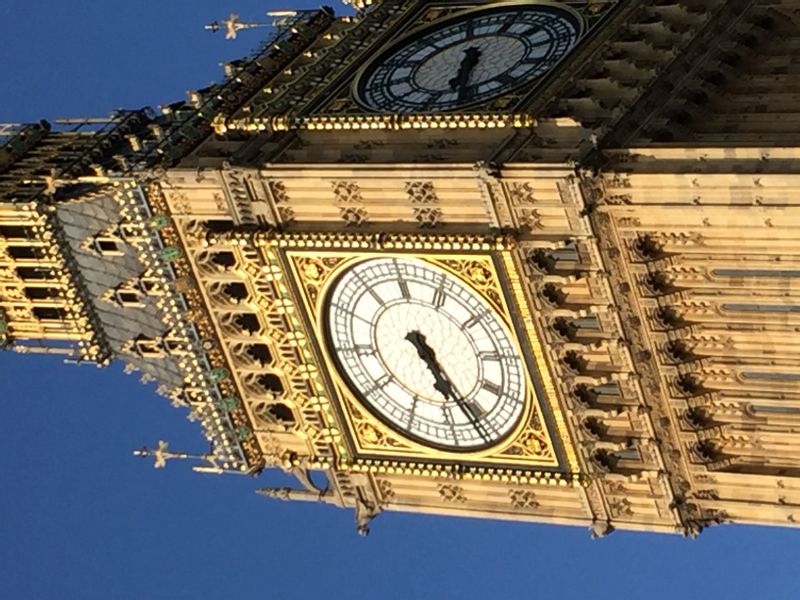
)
(404, 289)
(506, 79)
(411, 414)
(358, 349)
(491, 387)
(476, 411)
(439, 297)
(470, 30)
(474, 320)
(379, 384)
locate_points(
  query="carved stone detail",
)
(523, 499)
(421, 192)
(451, 493)
(428, 216)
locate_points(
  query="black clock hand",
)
(442, 383)
(426, 353)
(472, 56)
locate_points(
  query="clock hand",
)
(442, 383)
(471, 58)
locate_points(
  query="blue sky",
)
(82, 518)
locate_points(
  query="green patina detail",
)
(219, 374)
(229, 403)
(3, 327)
(242, 433)
(170, 253)
(158, 222)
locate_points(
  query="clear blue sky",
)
(81, 518)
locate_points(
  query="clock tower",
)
(518, 260)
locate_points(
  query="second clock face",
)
(470, 58)
(426, 353)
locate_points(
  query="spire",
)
(162, 454)
(232, 26)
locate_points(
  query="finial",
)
(162, 454)
(233, 26)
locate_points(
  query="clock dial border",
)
(369, 440)
(397, 44)
(506, 431)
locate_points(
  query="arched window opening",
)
(26, 252)
(594, 428)
(281, 413)
(542, 260)
(260, 353)
(270, 383)
(218, 225)
(148, 347)
(606, 461)
(658, 283)
(697, 418)
(576, 329)
(15, 232)
(689, 385)
(129, 298)
(706, 451)
(275, 413)
(575, 363)
(668, 317)
(248, 322)
(148, 285)
(236, 292)
(564, 329)
(49, 313)
(598, 395)
(553, 295)
(585, 395)
(679, 351)
(224, 259)
(34, 273)
(41, 293)
(108, 246)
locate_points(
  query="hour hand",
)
(427, 354)
(424, 351)
(471, 57)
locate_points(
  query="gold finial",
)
(233, 26)
(162, 454)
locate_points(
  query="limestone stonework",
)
(631, 219)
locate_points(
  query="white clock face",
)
(471, 58)
(425, 353)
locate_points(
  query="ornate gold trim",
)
(529, 323)
(315, 262)
(395, 122)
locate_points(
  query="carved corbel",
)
(365, 511)
(600, 529)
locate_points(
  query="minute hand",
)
(471, 58)
(442, 382)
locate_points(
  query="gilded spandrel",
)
(584, 195)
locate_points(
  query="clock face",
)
(425, 353)
(471, 58)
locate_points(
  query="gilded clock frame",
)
(539, 444)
